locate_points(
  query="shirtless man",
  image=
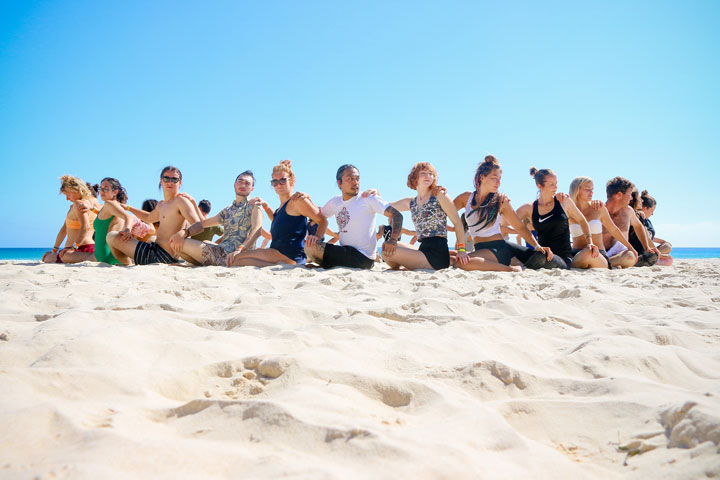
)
(619, 195)
(356, 226)
(241, 223)
(172, 213)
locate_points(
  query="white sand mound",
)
(170, 372)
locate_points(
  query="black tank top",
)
(633, 238)
(552, 229)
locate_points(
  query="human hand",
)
(597, 204)
(594, 250)
(439, 190)
(125, 235)
(561, 197)
(546, 251)
(312, 240)
(232, 256)
(297, 196)
(186, 195)
(370, 192)
(176, 241)
(463, 258)
(389, 247)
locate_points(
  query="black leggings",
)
(504, 251)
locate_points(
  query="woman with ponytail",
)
(483, 211)
(78, 223)
(550, 215)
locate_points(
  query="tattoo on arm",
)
(396, 220)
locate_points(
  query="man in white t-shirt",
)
(355, 217)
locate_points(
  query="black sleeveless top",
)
(553, 229)
(633, 238)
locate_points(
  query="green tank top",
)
(102, 249)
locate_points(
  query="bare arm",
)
(307, 208)
(402, 205)
(574, 213)
(450, 210)
(461, 200)
(84, 220)
(60, 237)
(118, 210)
(507, 210)
(614, 230)
(642, 234)
(255, 227)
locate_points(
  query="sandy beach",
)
(289, 372)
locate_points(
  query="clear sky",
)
(123, 88)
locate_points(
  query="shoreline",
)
(287, 371)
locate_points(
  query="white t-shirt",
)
(356, 221)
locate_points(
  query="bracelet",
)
(460, 245)
(461, 249)
(241, 249)
(126, 207)
(75, 246)
(55, 249)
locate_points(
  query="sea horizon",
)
(35, 254)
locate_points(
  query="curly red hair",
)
(415, 172)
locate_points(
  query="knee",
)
(110, 238)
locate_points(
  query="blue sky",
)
(122, 89)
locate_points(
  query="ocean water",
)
(35, 254)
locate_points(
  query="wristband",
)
(460, 245)
(75, 246)
(461, 249)
(55, 249)
(126, 207)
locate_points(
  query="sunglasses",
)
(279, 181)
(165, 178)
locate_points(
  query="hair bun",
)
(533, 171)
(644, 193)
(286, 162)
(490, 159)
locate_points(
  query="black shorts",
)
(345, 256)
(436, 251)
(147, 253)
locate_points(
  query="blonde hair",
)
(575, 187)
(415, 173)
(68, 182)
(284, 167)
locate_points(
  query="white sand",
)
(169, 372)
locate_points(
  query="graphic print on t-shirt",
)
(343, 218)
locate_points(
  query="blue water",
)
(37, 253)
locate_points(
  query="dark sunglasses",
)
(165, 178)
(279, 181)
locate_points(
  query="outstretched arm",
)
(642, 235)
(307, 208)
(614, 230)
(402, 205)
(507, 210)
(450, 210)
(396, 220)
(574, 213)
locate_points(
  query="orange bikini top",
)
(76, 225)
(72, 224)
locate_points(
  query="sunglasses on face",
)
(165, 178)
(279, 181)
